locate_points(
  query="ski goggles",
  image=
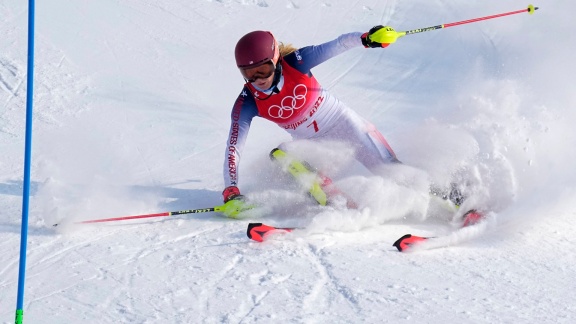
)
(263, 71)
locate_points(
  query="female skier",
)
(280, 87)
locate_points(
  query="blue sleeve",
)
(308, 57)
(242, 113)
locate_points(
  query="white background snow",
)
(131, 114)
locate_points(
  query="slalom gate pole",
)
(388, 35)
(27, 162)
(180, 212)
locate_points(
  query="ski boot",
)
(454, 199)
(471, 217)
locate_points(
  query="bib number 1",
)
(315, 124)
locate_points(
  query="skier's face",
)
(264, 84)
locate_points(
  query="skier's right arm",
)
(242, 113)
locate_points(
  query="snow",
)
(132, 102)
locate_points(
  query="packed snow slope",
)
(132, 103)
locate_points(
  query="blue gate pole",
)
(27, 162)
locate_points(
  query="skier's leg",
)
(374, 152)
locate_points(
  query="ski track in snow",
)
(132, 105)
(10, 85)
(327, 280)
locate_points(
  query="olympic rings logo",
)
(289, 103)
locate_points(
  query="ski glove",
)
(380, 32)
(236, 206)
(234, 203)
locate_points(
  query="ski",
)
(409, 242)
(259, 232)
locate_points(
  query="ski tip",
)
(258, 231)
(252, 232)
(404, 243)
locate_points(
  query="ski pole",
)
(181, 212)
(388, 35)
(230, 209)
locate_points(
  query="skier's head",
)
(257, 55)
(256, 48)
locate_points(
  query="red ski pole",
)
(181, 212)
(388, 35)
(231, 209)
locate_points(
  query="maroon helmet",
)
(256, 48)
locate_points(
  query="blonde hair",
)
(286, 49)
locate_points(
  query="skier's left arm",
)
(308, 57)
